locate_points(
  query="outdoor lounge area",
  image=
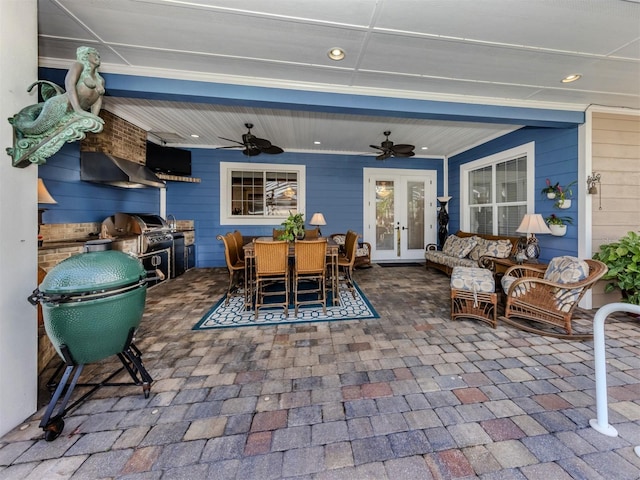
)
(410, 395)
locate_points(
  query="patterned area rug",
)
(234, 315)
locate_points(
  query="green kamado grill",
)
(92, 304)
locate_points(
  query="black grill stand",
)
(131, 359)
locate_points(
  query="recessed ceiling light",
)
(336, 53)
(316, 142)
(571, 78)
(195, 135)
(424, 148)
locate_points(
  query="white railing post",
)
(601, 423)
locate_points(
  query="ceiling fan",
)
(253, 145)
(388, 149)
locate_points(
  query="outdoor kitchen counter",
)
(52, 253)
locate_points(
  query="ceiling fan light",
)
(571, 78)
(336, 53)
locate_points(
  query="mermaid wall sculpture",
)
(40, 130)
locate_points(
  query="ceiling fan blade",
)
(402, 148)
(234, 141)
(251, 151)
(272, 150)
(376, 147)
(233, 146)
(261, 143)
(402, 155)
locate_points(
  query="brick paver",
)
(409, 395)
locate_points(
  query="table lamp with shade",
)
(317, 220)
(531, 224)
(44, 197)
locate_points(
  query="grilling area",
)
(165, 249)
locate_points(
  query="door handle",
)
(405, 228)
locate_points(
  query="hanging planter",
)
(564, 203)
(551, 195)
(558, 225)
(558, 230)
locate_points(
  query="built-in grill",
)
(152, 230)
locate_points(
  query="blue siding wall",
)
(556, 152)
(83, 202)
(334, 187)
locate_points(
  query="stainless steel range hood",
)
(103, 168)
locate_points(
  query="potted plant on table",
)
(550, 190)
(293, 227)
(623, 260)
(558, 225)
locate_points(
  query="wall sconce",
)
(591, 186)
(591, 183)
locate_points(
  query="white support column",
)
(19, 220)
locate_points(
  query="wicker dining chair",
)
(237, 235)
(234, 265)
(312, 234)
(271, 270)
(346, 261)
(310, 268)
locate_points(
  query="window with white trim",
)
(497, 191)
(260, 194)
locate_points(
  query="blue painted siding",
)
(334, 187)
(556, 152)
(82, 202)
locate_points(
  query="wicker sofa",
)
(465, 249)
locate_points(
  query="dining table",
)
(333, 250)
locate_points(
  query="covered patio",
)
(409, 395)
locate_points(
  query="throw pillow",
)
(459, 247)
(492, 248)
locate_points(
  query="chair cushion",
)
(492, 248)
(459, 246)
(472, 279)
(566, 270)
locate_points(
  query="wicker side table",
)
(473, 295)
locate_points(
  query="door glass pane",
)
(415, 215)
(385, 219)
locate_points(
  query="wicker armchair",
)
(310, 269)
(272, 269)
(234, 265)
(549, 296)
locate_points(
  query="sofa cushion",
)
(491, 248)
(459, 247)
(442, 258)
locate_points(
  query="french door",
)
(399, 213)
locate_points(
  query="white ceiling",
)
(497, 52)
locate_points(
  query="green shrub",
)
(623, 259)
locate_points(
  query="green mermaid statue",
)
(40, 130)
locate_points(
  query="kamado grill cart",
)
(92, 304)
